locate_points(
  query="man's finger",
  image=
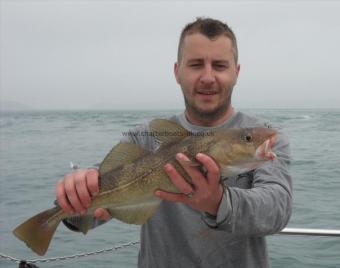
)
(61, 197)
(82, 190)
(92, 179)
(102, 214)
(213, 171)
(196, 176)
(72, 195)
(181, 184)
(171, 196)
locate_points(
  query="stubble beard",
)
(208, 115)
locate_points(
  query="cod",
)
(129, 175)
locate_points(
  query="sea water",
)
(36, 148)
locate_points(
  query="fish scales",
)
(129, 176)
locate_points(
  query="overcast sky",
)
(110, 54)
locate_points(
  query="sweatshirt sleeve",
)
(265, 207)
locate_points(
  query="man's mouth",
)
(206, 92)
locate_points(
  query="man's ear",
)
(176, 67)
(238, 68)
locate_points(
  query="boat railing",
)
(285, 231)
(310, 232)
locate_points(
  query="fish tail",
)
(38, 231)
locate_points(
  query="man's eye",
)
(195, 65)
(221, 66)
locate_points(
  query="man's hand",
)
(75, 192)
(205, 192)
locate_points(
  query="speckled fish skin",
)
(129, 175)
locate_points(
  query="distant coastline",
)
(14, 106)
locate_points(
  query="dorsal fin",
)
(122, 153)
(166, 131)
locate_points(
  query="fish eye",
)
(248, 138)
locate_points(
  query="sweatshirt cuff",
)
(70, 226)
(72, 223)
(224, 210)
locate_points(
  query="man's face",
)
(207, 73)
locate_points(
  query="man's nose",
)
(207, 76)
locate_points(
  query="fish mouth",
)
(264, 151)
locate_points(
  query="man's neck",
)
(209, 122)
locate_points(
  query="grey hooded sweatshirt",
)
(255, 204)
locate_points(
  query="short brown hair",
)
(210, 28)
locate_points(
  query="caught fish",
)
(129, 175)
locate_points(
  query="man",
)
(214, 222)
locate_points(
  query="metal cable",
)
(75, 256)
